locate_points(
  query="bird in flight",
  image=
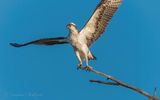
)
(82, 40)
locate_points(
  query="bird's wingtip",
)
(15, 44)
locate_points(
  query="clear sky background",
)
(129, 50)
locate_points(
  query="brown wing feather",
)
(46, 41)
(99, 20)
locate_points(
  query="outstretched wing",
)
(99, 20)
(46, 41)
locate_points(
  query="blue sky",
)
(129, 50)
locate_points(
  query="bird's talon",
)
(87, 68)
(79, 66)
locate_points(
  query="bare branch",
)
(121, 83)
(107, 83)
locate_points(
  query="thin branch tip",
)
(107, 83)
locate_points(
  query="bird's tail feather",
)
(46, 41)
(91, 56)
(94, 57)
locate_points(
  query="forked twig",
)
(107, 83)
(120, 83)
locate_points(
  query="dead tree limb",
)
(118, 82)
(107, 83)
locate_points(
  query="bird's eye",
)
(68, 25)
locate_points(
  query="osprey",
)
(82, 40)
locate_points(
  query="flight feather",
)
(98, 22)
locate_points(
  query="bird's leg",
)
(80, 60)
(88, 68)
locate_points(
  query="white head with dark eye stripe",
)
(72, 27)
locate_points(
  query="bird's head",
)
(72, 27)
